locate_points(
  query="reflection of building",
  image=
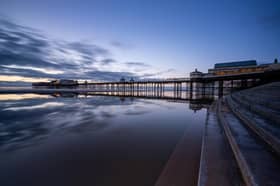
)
(65, 94)
(195, 106)
(238, 67)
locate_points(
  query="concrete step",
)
(257, 164)
(217, 163)
(265, 112)
(266, 87)
(266, 130)
(265, 100)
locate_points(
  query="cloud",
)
(18, 79)
(120, 45)
(46, 71)
(107, 61)
(147, 75)
(29, 55)
(26, 52)
(137, 64)
(168, 70)
(106, 75)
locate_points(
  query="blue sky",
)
(143, 38)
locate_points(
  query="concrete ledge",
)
(243, 166)
(202, 172)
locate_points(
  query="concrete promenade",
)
(248, 122)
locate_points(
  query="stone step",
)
(265, 112)
(257, 164)
(266, 130)
(266, 100)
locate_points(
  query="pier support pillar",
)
(221, 87)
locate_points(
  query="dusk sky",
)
(108, 39)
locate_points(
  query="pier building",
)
(237, 67)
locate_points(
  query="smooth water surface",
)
(91, 140)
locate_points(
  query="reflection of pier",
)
(200, 101)
(167, 96)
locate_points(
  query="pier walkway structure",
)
(197, 82)
(233, 75)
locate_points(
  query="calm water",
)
(92, 140)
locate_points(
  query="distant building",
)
(236, 68)
(64, 82)
(44, 84)
(59, 82)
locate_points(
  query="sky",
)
(104, 40)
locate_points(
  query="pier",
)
(223, 79)
(197, 83)
(230, 75)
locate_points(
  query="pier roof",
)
(236, 64)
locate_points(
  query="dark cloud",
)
(149, 75)
(137, 64)
(89, 51)
(119, 44)
(107, 61)
(108, 76)
(169, 70)
(27, 52)
(13, 84)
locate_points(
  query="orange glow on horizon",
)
(23, 79)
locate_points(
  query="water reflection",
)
(40, 106)
(27, 118)
(24, 122)
(116, 137)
